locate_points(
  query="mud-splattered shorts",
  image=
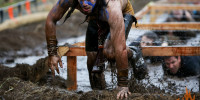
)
(98, 31)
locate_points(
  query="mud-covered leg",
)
(97, 80)
(99, 64)
(137, 63)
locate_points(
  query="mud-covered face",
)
(178, 14)
(173, 64)
(146, 41)
(87, 5)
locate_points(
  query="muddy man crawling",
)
(109, 23)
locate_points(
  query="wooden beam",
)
(79, 44)
(169, 26)
(62, 50)
(168, 7)
(76, 51)
(71, 73)
(182, 1)
(142, 12)
(171, 51)
(151, 51)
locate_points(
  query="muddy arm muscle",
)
(117, 30)
(54, 15)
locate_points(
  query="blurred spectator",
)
(176, 37)
(170, 39)
(181, 66)
(196, 15)
(148, 39)
(180, 16)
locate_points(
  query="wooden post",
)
(153, 15)
(71, 73)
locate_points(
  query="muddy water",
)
(156, 78)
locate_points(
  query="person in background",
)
(149, 38)
(181, 66)
(180, 16)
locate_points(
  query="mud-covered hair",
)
(100, 4)
(74, 5)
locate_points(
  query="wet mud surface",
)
(35, 82)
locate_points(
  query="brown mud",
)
(31, 38)
(35, 82)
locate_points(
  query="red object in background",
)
(28, 7)
(10, 12)
(44, 1)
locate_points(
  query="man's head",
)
(87, 5)
(173, 63)
(178, 14)
(149, 39)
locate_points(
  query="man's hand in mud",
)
(124, 92)
(53, 63)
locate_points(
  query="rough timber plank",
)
(71, 73)
(169, 26)
(171, 51)
(149, 51)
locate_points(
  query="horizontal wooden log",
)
(171, 51)
(182, 1)
(142, 12)
(76, 51)
(149, 51)
(62, 50)
(79, 44)
(169, 26)
(23, 20)
(168, 7)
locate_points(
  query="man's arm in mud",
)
(117, 29)
(54, 15)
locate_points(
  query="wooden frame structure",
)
(73, 52)
(169, 26)
(180, 1)
(160, 7)
(79, 49)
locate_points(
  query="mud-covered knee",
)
(109, 53)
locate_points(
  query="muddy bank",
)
(30, 39)
(36, 82)
(15, 89)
